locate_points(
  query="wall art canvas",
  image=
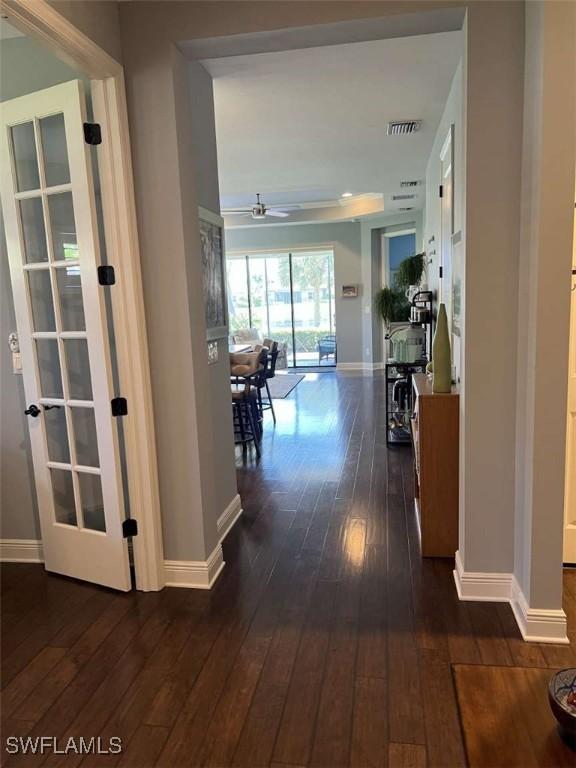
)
(214, 273)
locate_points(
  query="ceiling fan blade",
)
(278, 214)
(226, 211)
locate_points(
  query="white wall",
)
(544, 299)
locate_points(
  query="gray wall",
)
(345, 239)
(97, 19)
(25, 67)
(18, 510)
(205, 162)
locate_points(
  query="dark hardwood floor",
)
(327, 641)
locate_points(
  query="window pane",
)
(54, 149)
(84, 426)
(56, 434)
(32, 217)
(49, 368)
(25, 159)
(70, 295)
(258, 295)
(237, 294)
(63, 226)
(63, 493)
(92, 502)
(41, 300)
(79, 383)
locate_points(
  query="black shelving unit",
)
(400, 371)
(399, 433)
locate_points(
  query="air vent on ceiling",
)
(409, 184)
(402, 127)
(403, 197)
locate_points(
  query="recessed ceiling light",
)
(346, 194)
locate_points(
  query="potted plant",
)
(392, 306)
(410, 273)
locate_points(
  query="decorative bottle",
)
(441, 357)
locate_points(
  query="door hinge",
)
(441, 190)
(441, 271)
(92, 133)
(129, 527)
(106, 275)
(119, 406)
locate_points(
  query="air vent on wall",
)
(402, 127)
(403, 197)
(405, 209)
(409, 184)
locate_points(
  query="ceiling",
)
(304, 126)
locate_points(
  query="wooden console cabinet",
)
(435, 437)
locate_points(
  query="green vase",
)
(441, 357)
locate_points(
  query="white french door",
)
(570, 498)
(52, 238)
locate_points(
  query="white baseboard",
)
(536, 625)
(194, 574)
(364, 367)
(21, 551)
(491, 587)
(227, 519)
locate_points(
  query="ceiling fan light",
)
(346, 194)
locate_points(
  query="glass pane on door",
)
(25, 158)
(56, 169)
(63, 226)
(85, 441)
(33, 231)
(92, 502)
(313, 296)
(70, 296)
(279, 302)
(56, 434)
(63, 493)
(41, 304)
(49, 374)
(78, 369)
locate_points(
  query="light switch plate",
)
(212, 352)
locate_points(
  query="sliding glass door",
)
(288, 297)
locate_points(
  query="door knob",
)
(32, 410)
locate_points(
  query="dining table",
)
(237, 349)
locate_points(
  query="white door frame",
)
(40, 21)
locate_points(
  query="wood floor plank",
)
(406, 756)
(443, 735)
(369, 747)
(143, 750)
(296, 732)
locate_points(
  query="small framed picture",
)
(349, 292)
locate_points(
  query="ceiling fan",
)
(257, 211)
